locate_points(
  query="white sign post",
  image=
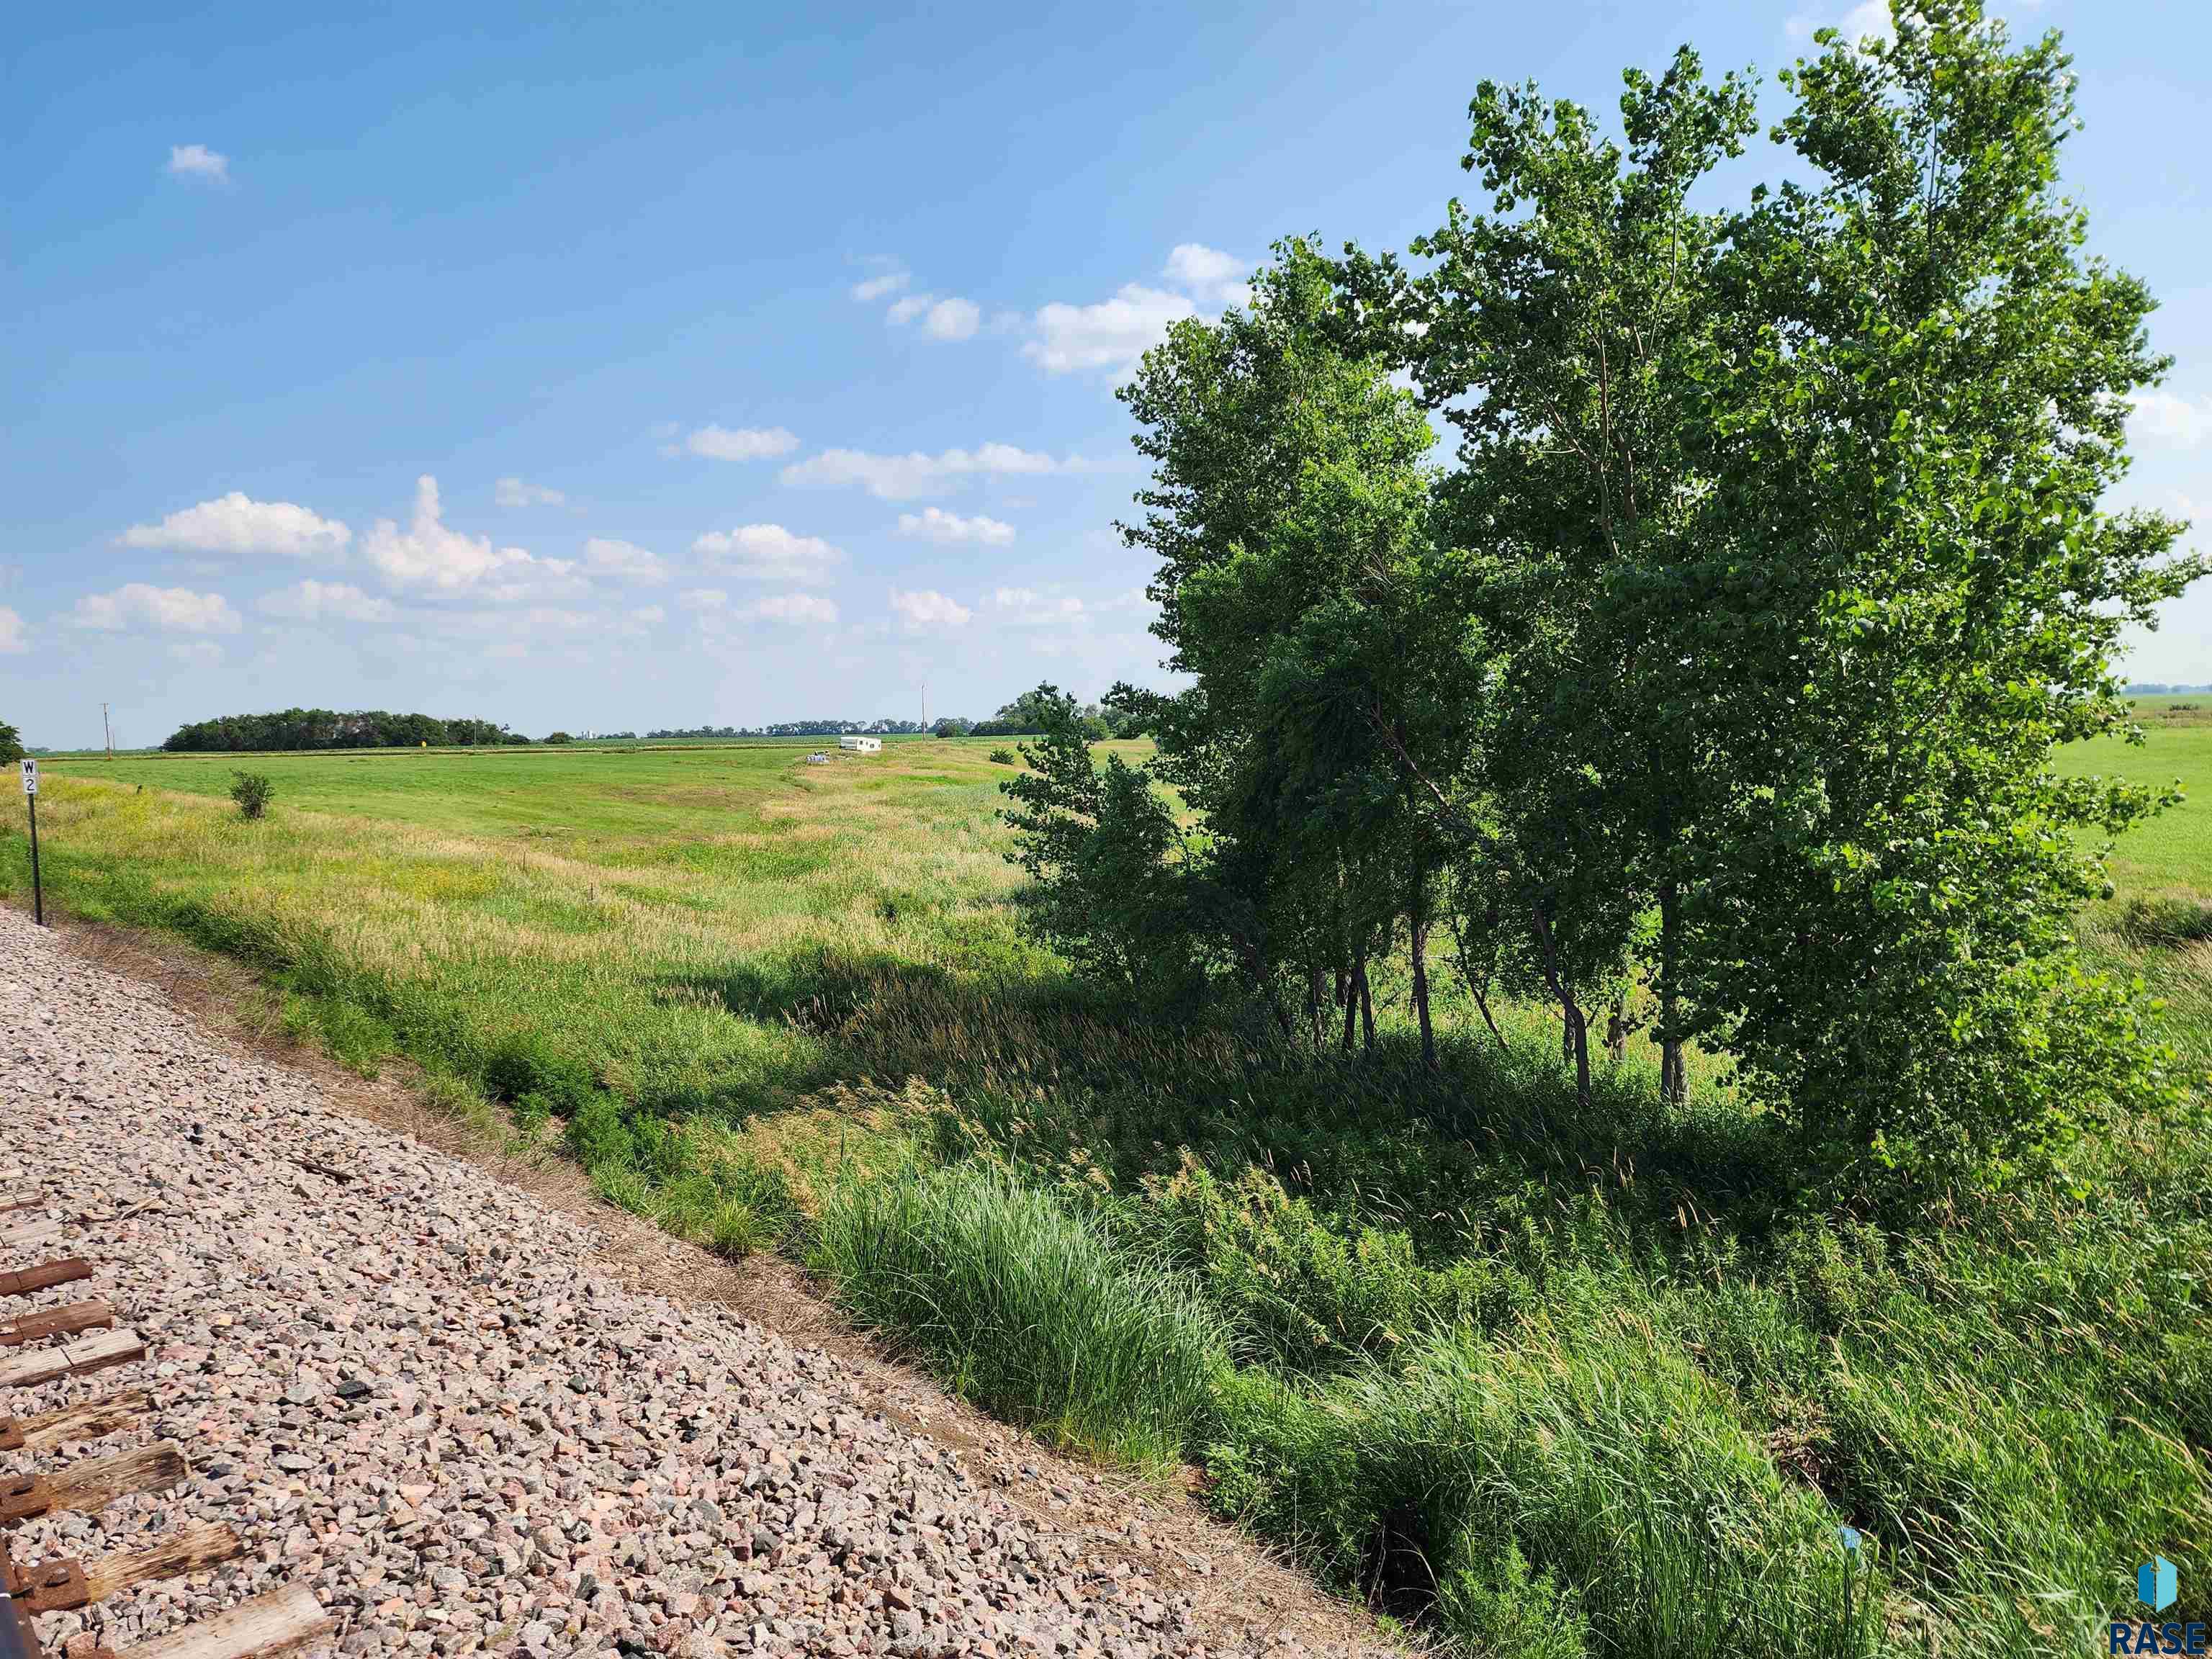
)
(31, 800)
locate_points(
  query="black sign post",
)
(31, 800)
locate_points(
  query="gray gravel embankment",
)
(414, 1390)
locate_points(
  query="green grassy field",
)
(1559, 1382)
(2159, 922)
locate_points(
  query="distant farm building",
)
(861, 745)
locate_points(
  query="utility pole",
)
(925, 707)
(109, 730)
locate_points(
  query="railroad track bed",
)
(90, 1460)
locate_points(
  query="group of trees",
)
(797, 729)
(1713, 690)
(1031, 714)
(325, 728)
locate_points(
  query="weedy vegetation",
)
(1629, 1073)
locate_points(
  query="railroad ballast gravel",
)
(412, 1390)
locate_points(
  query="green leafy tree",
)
(11, 745)
(1288, 512)
(1113, 884)
(1917, 416)
(1560, 334)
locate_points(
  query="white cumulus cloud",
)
(902, 477)
(875, 287)
(934, 524)
(1870, 17)
(2161, 415)
(238, 525)
(927, 609)
(514, 492)
(140, 605)
(199, 162)
(769, 553)
(621, 561)
(1210, 277)
(951, 319)
(744, 443)
(428, 554)
(1112, 334)
(314, 601)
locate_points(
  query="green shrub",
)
(1005, 756)
(1025, 1307)
(252, 791)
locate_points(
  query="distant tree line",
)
(1728, 658)
(1033, 713)
(2156, 687)
(1025, 716)
(327, 728)
(797, 729)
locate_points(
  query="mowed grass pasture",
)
(1554, 1383)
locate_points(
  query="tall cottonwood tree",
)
(1289, 512)
(1914, 425)
(1563, 333)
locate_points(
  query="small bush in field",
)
(1005, 756)
(252, 791)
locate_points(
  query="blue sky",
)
(706, 364)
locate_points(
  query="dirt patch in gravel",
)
(496, 1415)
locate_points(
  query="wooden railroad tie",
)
(46, 1346)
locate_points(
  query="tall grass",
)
(1025, 1307)
(1573, 1486)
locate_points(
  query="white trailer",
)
(860, 745)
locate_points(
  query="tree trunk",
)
(1347, 993)
(1576, 1038)
(1420, 931)
(1674, 1085)
(1366, 1011)
(1313, 1003)
(1473, 989)
(1616, 1031)
(1482, 1007)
